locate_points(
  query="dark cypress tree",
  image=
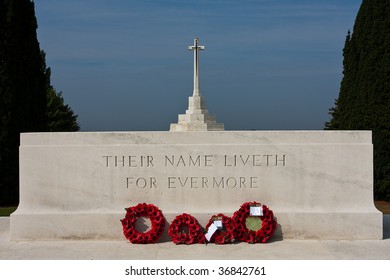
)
(22, 89)
(364, 98)
(60, 117)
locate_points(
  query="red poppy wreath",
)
(225, 234)
(266, 224)
(143, 210)
(185, 229)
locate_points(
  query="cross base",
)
(196, 118)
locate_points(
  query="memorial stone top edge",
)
(196, 137)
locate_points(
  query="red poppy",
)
(230, 227)
(156, 214)
(238, 216)
(229, 236)
(195, 228)
(201, 238)
(176, 240)
(220, 240)
(157, 219)
(183, 237)
(250, 238)
(190, 240)
(125, 223)
(129, 231)
(260, 234)
(129, 215)
(138, 208)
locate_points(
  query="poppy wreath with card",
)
(143, 210)
(226, 234)
(256, 229)
(185, 229)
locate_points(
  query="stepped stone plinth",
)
(196, 118)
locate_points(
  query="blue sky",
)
(124, 64)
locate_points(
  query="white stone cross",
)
(195, 48)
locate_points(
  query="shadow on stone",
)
(143, 224)
(278, 235)
(165, 236)
(386, 226)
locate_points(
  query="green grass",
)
(6, 211)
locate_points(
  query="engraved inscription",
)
(254, 160)
(141, 182)
(128, 161)
(166, 179)
(188, 161)
(213, 182)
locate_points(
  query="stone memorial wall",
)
(76, 185)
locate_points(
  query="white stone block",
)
(76, 185)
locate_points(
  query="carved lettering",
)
(141, 182)
(204, 182)
(194, 182)
(119, 160)
(231, 182)
(283, 160)
(247, 160)
(195, 161)
(213, 182)
(171, 181)
(132, 161)
(244, 160)
(267, 157)
(107, 160)
(253, 184)
(242, 182)
(230, 161)
(221, 183)
(208, 160)
(188, 161)
(181, 161)
(254, 160)
(184, 181)
(128, 161)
